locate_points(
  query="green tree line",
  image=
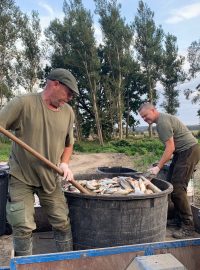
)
(114, 76)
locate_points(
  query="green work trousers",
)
(20, 208)
(180, 172)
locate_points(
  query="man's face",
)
(148, 115)
(61, 95)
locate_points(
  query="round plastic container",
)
(118, 170)
(103, 221)
(4, 168)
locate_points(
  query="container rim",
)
(102, 169)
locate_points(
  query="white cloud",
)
(48, 8)
(51, 14)
(185, 13)
(98, 34)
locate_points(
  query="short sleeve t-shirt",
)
(46, 131)
(170, 126)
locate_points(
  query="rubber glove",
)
(154, 170)
(67, 173)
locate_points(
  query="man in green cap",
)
(45, 122)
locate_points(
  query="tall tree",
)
(79, 50)
(5, 93)
(11, 21)
(135, 88)
(194, 60)
(117, 37)
(148, 45)
(172, 74)
(29, 60)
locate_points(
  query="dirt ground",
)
(81, 163)
(87, 163)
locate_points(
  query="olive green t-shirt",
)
(170, 126)
(46, 131)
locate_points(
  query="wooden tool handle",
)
(150, 185)
(40, 157)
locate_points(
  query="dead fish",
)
(106, 186)
(121, 191)
(136, 186)
(90, 186)
(66, 185)
(82, 182)
(131, 182)
(94, 182)
(142, 185)
(116, 186)
(100, 190)
(148, 191)
(124, 184)
(108, 181)
(110, 190)
(73, 189)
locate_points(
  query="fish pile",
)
(115, 186)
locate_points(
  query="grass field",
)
(144, 151)
(4, 151)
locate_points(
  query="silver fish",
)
(142, 185)
(121, 191)
(124, 184)
(90, 186)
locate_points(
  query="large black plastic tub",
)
(105, 221)
(117, 170)
(3, 199)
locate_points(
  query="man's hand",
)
(67, 173)
(154, 170)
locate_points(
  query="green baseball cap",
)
(65, 77)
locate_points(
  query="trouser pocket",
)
(16, 213)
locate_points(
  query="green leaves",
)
(28, 64)
(172, 74)
(148, 44)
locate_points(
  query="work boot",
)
(63, 240)
(22, 245)
(186, 231)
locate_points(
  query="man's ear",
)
(56, 83)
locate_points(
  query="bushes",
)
(144, 151)
(4, 151)
(4, 139)
(128, 147)
(121, 143)
(5, 147)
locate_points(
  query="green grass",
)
(4, 151)
(144, 152)
(129, 147)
